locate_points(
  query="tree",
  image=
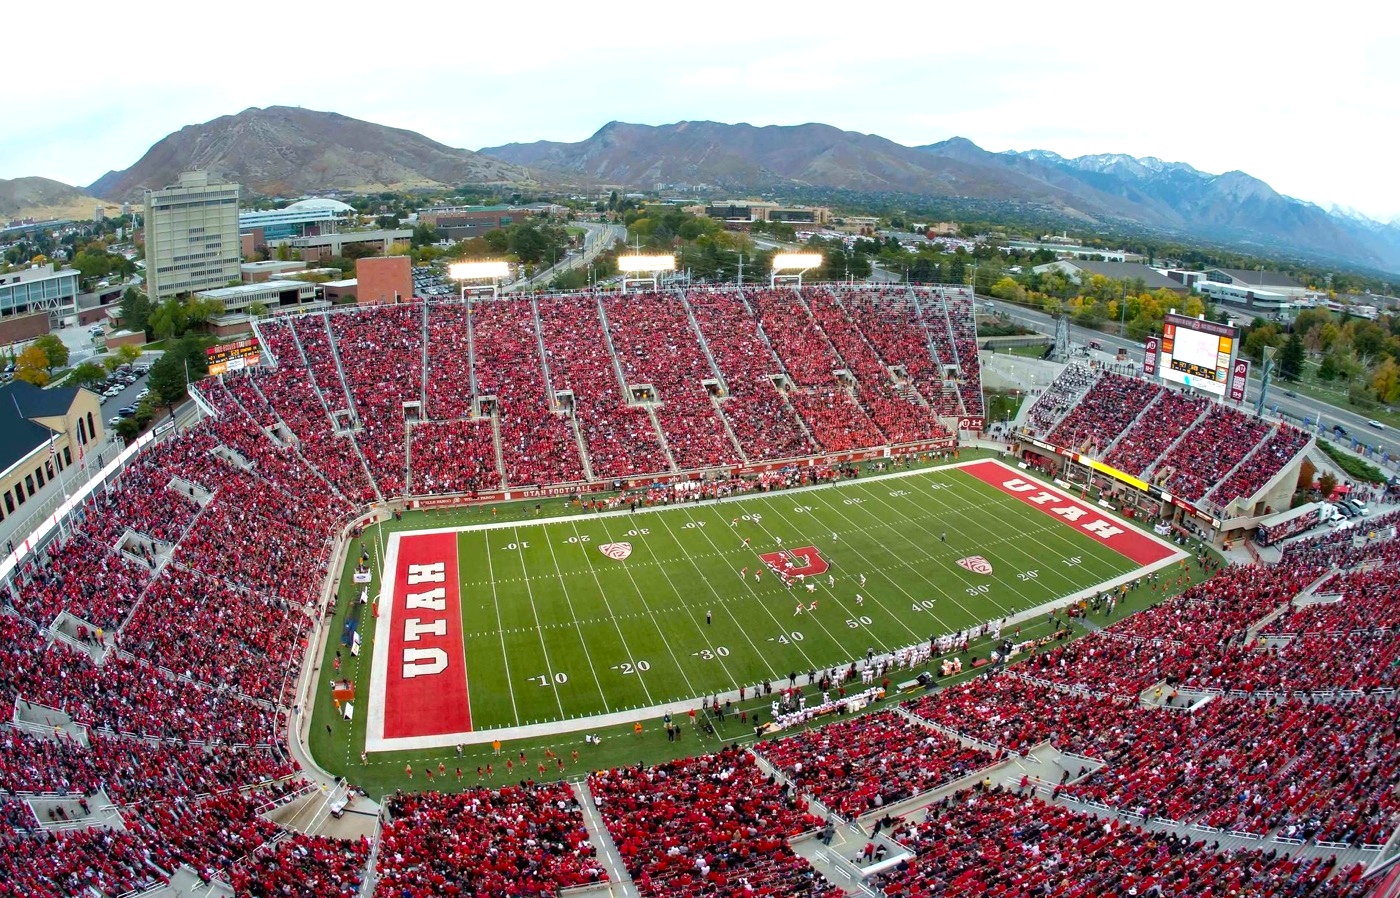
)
(33, 366)
(1328, 369)
(1307, 472)
(136, 310)
(1326, 484)
(168, 319)
(424, 234)
(128, 354)
(257, 308)
(54, 349)
(1385, 381)
(1260, 337)
(89, 374)
(1291, 358)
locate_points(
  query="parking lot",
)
(427, 282)
(123, 389)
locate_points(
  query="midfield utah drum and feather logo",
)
(976, 563)
(616, 551)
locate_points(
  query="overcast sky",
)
(1306, 97)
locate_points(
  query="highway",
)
(598, 239)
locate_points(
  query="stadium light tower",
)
(798, 262)
(479, 272)
(645, 268)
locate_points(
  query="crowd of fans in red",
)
(1146, 429)
(876, 335)
(538, 444)
(754, 407)
(998, 843)
(707, 826)
(861, 765)
(560, 364)
(655, 344)
(1104, 412)
(620, 438)
(482, 843)
(1210, 450)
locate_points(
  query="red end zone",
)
(425, 685)
(1123, 538)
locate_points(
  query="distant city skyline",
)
(1308, 102)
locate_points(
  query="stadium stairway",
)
(705, 347)
(728, 430)
(1147, 412)
(619, 882)
(1166, 453)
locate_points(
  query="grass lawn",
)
(633, 633)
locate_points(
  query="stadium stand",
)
(999, 843)
(518, 840)
(1199, 451)
(1203, 710)
(858, 766)
(707, 826)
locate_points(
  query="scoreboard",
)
(233, 356)
(1197, 353)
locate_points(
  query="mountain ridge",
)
(286, 150)
(290, 151)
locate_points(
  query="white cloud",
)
(1303, 99)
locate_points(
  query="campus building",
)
(34, 299)
(465, 222)
(304, 218)
(42, 433)
(191, 236)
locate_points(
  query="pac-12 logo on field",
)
(616, 551)
(977, 564)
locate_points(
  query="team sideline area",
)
(335, 556)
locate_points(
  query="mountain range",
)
(288, 151)
(43, 198)
(1166, 198)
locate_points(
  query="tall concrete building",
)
(191, 236)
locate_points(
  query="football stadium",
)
(699, 592)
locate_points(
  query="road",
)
(598, 239)
(1295, 408)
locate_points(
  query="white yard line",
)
(777, 547)
(722, 602)
(505, 655)
(383, 626)
(689, 608)
(1055, 530)
(578, 628)
(603, 594)
(539, 631)
(875, 568)
(661, 634)
(921, 522)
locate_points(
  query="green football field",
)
(555, 629)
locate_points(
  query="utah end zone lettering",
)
(425, 689)
(1100, 527)
(1125, 540)
(419, 662)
